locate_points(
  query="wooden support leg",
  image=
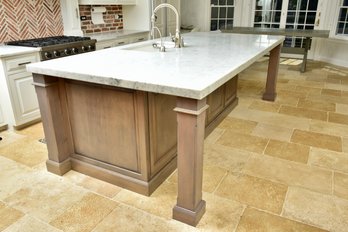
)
(55, 122)
(304, 61)
(272, 74)
(191, 124)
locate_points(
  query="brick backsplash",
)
(111, 23)
(26, 19)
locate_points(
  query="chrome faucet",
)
(177, 38)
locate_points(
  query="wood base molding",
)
(187, 216)
(269, 96)
(124, 181)
(58, 168)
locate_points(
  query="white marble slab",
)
(9, 50)
(209, 60)
(114, 35)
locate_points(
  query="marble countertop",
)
(9, 50)
(114, 35)
(208, 60)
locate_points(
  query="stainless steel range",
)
(58, 46)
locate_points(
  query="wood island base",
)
(122, 136)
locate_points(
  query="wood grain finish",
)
(272, 74)
(131, 138)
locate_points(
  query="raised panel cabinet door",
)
(24, 99)
(231, 90)
(162, 128)
(216, 103)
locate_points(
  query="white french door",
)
(291, 14)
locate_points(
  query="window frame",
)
(333, 29)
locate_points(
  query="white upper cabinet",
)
(108, 2)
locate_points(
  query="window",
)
(222, 14)
(342, 23)
(290, 14)
(300, 15)
(268, 13)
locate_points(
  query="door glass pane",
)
(301, 15)
(222, 14)
(267, 13)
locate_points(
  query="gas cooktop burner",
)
(48, 41)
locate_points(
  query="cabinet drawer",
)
(18, 63)
(120, 42)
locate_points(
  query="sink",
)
(152, 47)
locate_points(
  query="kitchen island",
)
(130, 115)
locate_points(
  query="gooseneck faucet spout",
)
(177, 39)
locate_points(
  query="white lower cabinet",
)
(122, 41)
(3, 123)
(18, 95)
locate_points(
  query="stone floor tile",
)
(316, 105)
(287, 100)
(214, 135)
(329, 128)
(345, 144)
(312, 84)
(329, 159)
(309, 90)
(256, 220)
(338, 118)
(243, 141)
(9, 137)
(289, 173)
(265, 106)
(98, 186)
(221, 214)
(253, 191)
(35, 131)
(160, 203)
(341, 108)
(303, 112)
(46, 198)
(85, 214)
(341, 185)
(225, 157)
(12, 172)
(325, 211)
(8, 216)
(319, 140)
(30, 224)
(289, 151)
(237, 125)
(298, 94)
(25, 151)
(127, 219)
(212, 176)
(328, 98)
(331, 92)
(272, 132)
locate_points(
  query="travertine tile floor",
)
(269, 166)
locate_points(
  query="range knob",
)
(48, 55)
(86, 48)
(67, 51)
(91, 47)
(56, 53)
(74, 50)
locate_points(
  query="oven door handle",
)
(24, 63)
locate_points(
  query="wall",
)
(111, 23)
(137, 17)
(26, 19)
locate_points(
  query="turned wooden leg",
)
(54, 115)
(272, 74)
(191, 124)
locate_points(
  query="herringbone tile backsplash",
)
(25, 19)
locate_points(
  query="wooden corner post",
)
(272, 74)
(191, 125)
